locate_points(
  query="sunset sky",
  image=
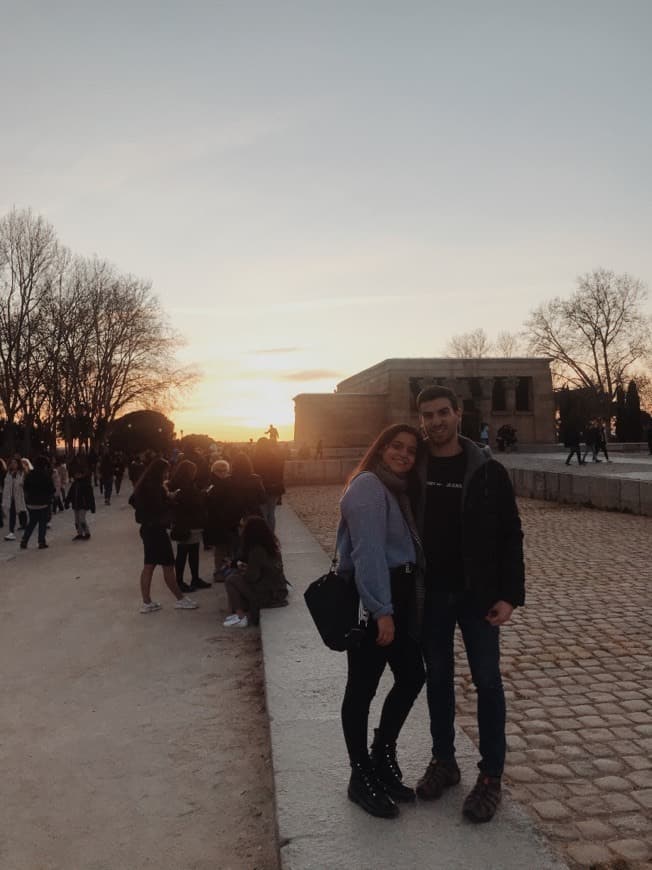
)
(312, 187)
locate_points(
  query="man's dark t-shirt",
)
(443, 527)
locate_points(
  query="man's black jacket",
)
(492, 539)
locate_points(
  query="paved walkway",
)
(630, 466)
(126, 741)
(577, 662)
(319, 828)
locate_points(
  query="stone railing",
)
(606, 492)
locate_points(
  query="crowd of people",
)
(224, 503)
(228, 506)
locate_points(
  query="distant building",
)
(517, 391)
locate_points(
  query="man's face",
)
(439, 421)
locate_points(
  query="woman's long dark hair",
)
(256, 533)
(152, 476)
(241, 466)
(183, 474)
(373, 456)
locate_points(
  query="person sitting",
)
(260, 580)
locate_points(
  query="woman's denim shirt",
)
(372, 538)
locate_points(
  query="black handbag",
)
(179, 533)
(334, 605)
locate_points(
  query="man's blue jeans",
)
(481, 642)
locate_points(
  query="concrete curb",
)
(319, 829)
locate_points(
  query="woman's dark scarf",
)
(398, 486)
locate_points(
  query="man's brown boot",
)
(438, 776)
(482, 801)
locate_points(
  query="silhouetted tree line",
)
(80, 341)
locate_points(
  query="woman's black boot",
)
(367, 792)
(388, 773)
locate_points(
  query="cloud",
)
(310, 375)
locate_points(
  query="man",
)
(592, 441)
(473, 545)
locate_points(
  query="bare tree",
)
(597, 335)
(508, 344)
(469, 345)
(129, 360)
(80, 342)
(28, 251)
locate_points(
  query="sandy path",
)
(126, 741)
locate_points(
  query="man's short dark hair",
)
(437, 392)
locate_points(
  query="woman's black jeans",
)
(366, 666)
(190, 552)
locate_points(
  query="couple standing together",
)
(432, 533)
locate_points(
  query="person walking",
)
(39, 492)
(471, 531)
(592, 441)
(572, 441)
(118, 471)
(3, 473)
(602, 440)
(81, 497)
(152, 502)
(106, 476)
(377, 541)
(13, 498)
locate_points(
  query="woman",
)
(260, 581)
(222, 518)
(269, 464)
(152, 502)
(3, 473)
(249, 494)
(81, 497)
(188, 512)
(13, 498)
(378, 542)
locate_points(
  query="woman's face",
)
(401, 453)
(13, 465)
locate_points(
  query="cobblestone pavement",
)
(577, 663)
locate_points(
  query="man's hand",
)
(385, 630)
(499, 613)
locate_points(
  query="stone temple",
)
(517, 391)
